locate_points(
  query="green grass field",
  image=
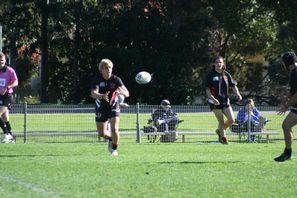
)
(198, 168)
(203, 122)
(146, 170)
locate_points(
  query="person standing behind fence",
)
(218, 82)
(8, 80)
(105, 90)
(289, 59)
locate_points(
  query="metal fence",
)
(76, 123)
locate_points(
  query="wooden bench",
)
(183, 134)
(267, 133)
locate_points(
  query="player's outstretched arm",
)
(236, 92)
(96, 95)
(123, 90)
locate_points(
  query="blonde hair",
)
(250, 102)
(104, 62)
(2, 54)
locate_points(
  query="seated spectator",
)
(164, 118)
(250, 112)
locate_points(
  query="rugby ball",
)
(143, 77)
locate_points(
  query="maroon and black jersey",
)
(103, 109)
(107, 85)
(219, 84)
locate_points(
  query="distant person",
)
(289, 102)
(164, 118)
(218, 82)
(250, 112)
(107, 90)
(8, 81)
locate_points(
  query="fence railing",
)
(76, 123)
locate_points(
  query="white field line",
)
(30, 186)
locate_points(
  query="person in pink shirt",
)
(8, 81)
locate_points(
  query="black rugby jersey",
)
(219, 84)
(106, 85)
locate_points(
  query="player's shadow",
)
(200, 162)
(31, 156)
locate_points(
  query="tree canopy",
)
(176, 41)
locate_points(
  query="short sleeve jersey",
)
(162, 114)
(293, 83)
(219, 84)
(106, 85)
(7, 77)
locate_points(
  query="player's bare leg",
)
(228, 112)
(102, 130)
(220, 117)
(8, 138)
(288, 123)
(2, 111)
(115, 132)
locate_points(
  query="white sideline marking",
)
(30, 186)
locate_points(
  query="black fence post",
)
(25, 122)
(137, 124)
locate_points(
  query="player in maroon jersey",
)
(218, 82)
(106, 87)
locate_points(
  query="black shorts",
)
(223, 104)
(104, 111)
(6, 100)
(220, 106)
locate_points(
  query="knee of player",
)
(231, 121)
(104, 133)
(285, 127)
(115, 130)
(221, 122)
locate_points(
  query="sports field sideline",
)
(80, 118)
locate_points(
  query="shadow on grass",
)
(199, 162)
(44, 155)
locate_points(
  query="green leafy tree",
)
(20, 35)
(176, 41)
(244, 34)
